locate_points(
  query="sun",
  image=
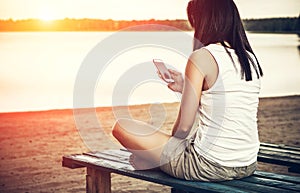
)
(46, 18)
(46, 15)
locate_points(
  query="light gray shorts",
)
(179, 159)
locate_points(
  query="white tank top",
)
(227, 131)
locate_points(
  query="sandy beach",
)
(32, 144)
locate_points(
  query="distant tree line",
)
(285, 25)
(86, 25)
(273, 25)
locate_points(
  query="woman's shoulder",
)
(204, 60)
(201, 56)
(206, 51)
(201, 53)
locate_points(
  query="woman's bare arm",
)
(191, 94)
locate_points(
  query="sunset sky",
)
(134, 9)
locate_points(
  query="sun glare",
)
(46, 15)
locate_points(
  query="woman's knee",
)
(118, 128)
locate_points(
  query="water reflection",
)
(55, 78)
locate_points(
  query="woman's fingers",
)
(177, 85)
(174, 72)
(171, 86)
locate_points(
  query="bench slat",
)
(161, 178)
(277, 160)
(280, 150)
(280, 177)
(276, 146)
(118, 157)
(68, 162)
(292, 157)
(244, 185)
(273, 183)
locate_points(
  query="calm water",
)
(38, 70)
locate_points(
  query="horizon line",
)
(69, 18)
(36, 110)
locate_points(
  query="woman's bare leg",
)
(145, 141)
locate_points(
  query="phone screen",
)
(163, 70)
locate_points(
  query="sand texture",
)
(32, 143)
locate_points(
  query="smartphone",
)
(162, 69)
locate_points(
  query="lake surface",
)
(38, 70)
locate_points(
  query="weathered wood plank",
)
(273, 183)
(280, 177)
(249, 186)
(291, 156)
(69, 163)
(280, 150)
(280, 146)
(277, 160)
(117, 156)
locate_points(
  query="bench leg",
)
(97, 182)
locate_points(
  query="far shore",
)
(283, 24)
(112, 31)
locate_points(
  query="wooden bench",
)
(100, 165)
(280, 155)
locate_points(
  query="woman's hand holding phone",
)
(172, 77)
(163, 71)
(177, 85)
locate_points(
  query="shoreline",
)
(134, 105)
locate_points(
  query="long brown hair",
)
(217, 21)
